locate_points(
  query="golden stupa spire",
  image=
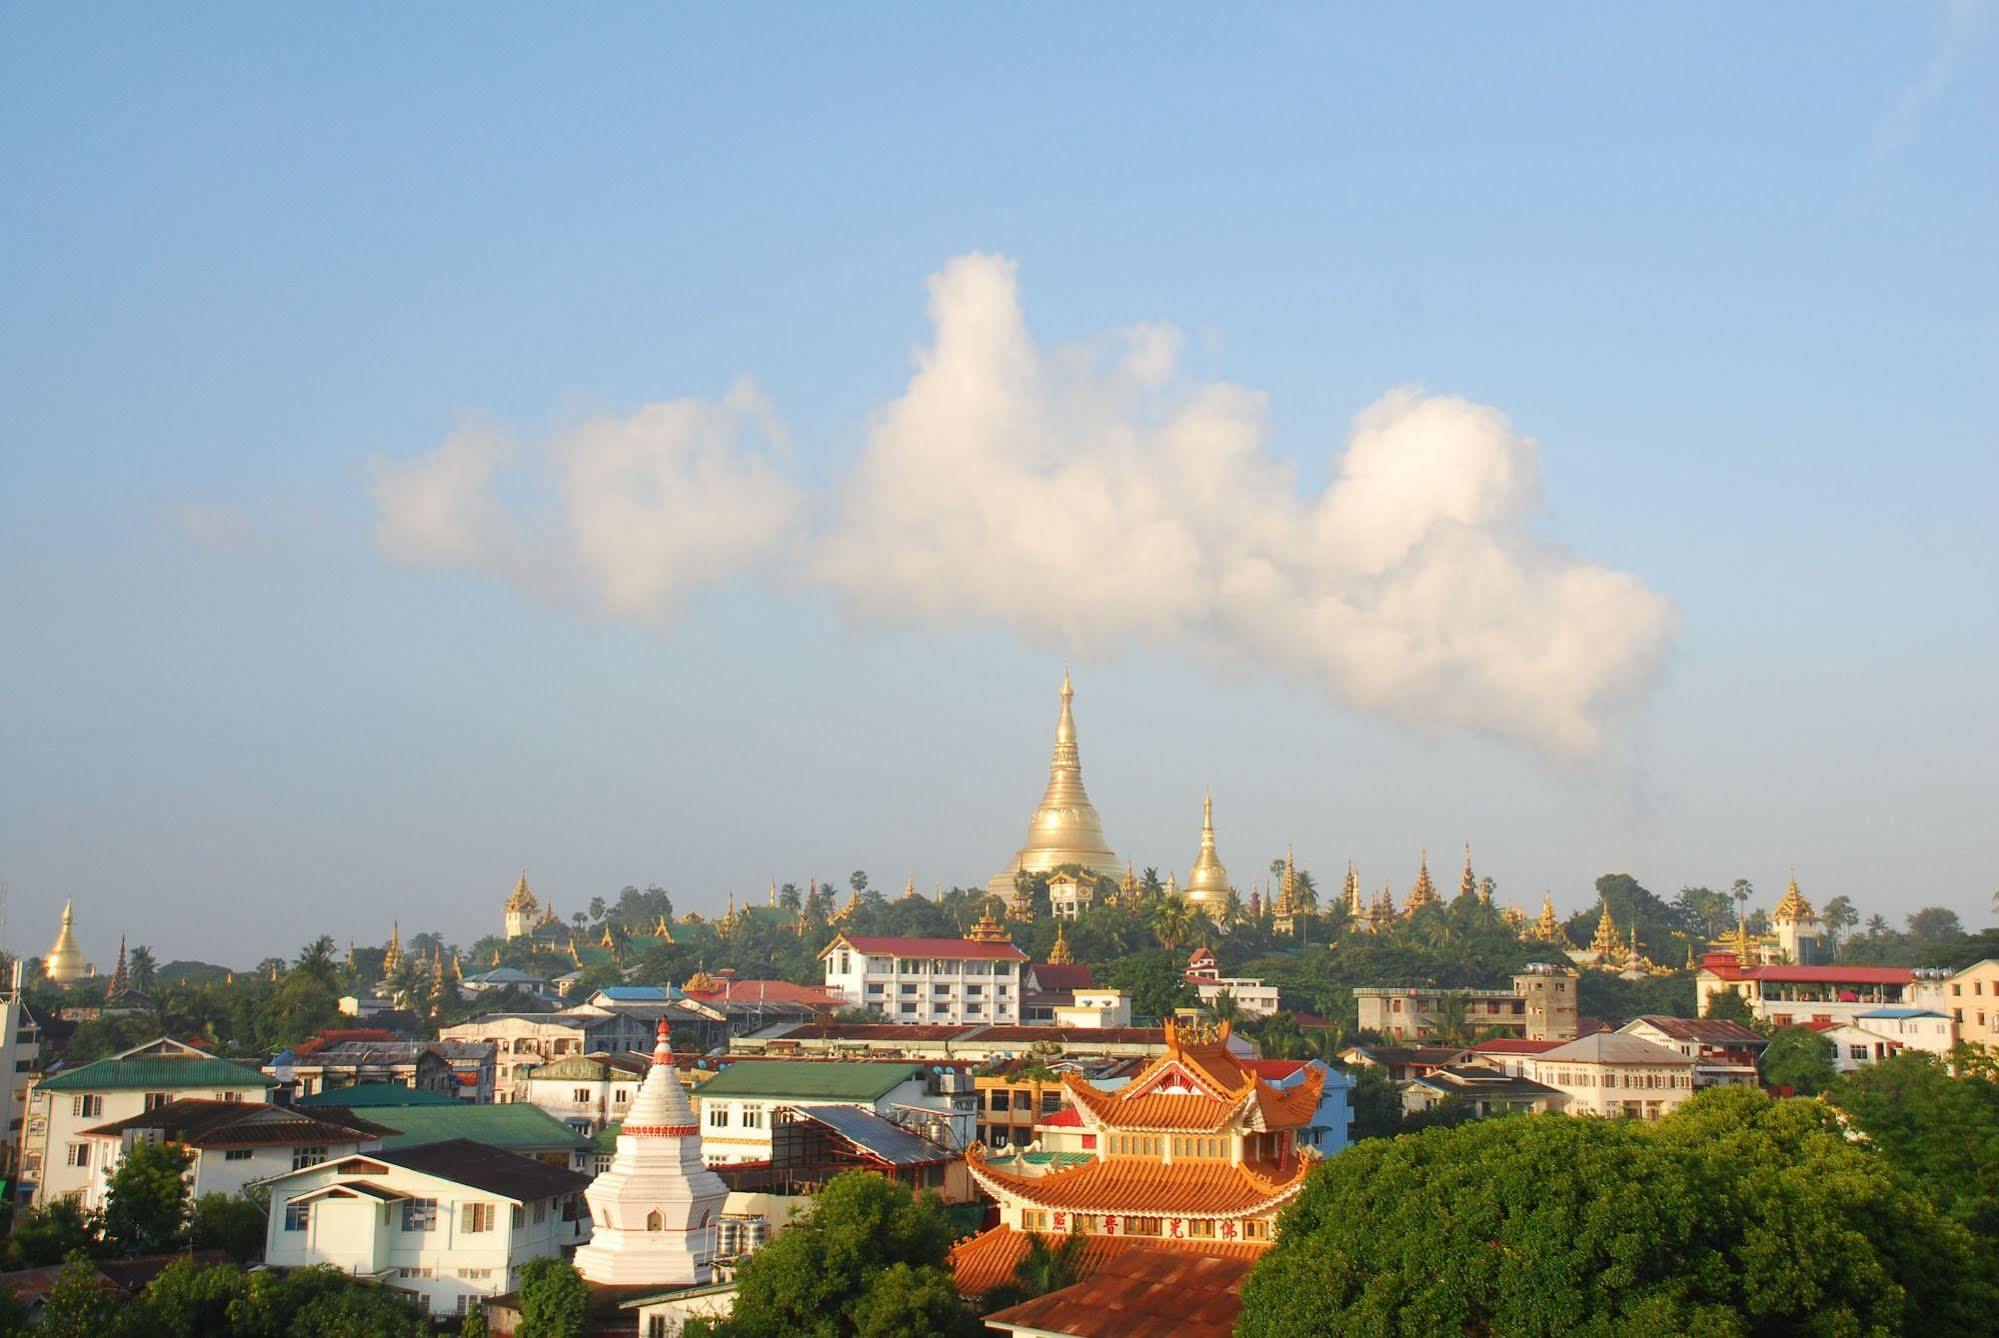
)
(64, 961)
(1425, 891)
(1468, 885)
(1065, 828)
(1548, 928)
(1605, 940)
(1059, 955)
(1793, 909)
(909, 892)
(773, 893)
(1350, 892)
(393, 957)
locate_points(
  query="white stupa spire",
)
(653, 1213)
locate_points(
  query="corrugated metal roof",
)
(511, 1126)
(366, 1095)
(876, 1136)
(157, 1073)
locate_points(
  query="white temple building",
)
(654, 1211)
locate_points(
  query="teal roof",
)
(371, 1094)
(518, 1128)
(155, 1073)
(1058, 1160)
(607, 1139)
(804, 1080)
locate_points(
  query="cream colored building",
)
(522, 1042)
(1609, 1073)
(450, 1223)
(1972, 998)
(1541, 1006)
(66, 1105)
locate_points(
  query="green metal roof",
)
(518, 1128)
(372, 1094)
(607, 1139)
(155, 1073)
(804, 1080)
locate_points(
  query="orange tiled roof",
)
(988, 1260)
(1140, 1293)
(1232, 1089)
(1155, 1110)
(1147, 1187)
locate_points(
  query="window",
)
(419, 1214)
(303, 1157)
(973, 991)
(753, 1117)
(477, 1274)
(79, 1155)
(655, 1220)
(540, 1211)
(474, 1218)
(1201, 1227)
(718, 1117)
(413, 1272)
(238, 1154)
(298, 1216)
(154, 1100)
(656, 1326)
(1142, 1226)
(1255, 1228)
(232, 1096)
(1034, 1219)
(86, 1107)
(1050, 1102)
(622, 1096)
(846, 963)
(581, 1096)
(467, 1303)
(1856, 1051)
(520, 1217)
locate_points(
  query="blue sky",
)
(1730, 269)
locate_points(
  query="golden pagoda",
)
(1548, 929)
(987, 930)
(1425, 891)
(518, 913)
(1208, 881)
(457, 970)
(1795, 925)
(1468, 885)
(64, 962)
(606, 941)
(850, 910)
(119, 983)
(1350, 893)
(1065, 828)
(1059, 955)
(393, 957)
(909, 892)
(1604, 942)
(1384, 904)
(1129, 890)
(773, 894)
(1286, 911)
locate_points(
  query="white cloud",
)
(1086, 498)
(217, 527)
(1967, 27)
(628, 514)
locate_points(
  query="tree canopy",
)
(1737, 1214)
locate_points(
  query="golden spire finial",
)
(1059, 955)
(773, 891)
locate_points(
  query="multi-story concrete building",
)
(735, 1105)
(977, 979)
(236, 1144)
(1724, 1052)
(1608, 1073)
(1971, 997)
(587, 1092)
(1251, 996)
(1541, 1006)
(450, 1223)
(1786, 995)
(20, 1060)
(522, 1042)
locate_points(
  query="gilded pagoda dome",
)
(64, 962)
(1207, 881)
(1793, 909)
(1065, 828)
(522, 901)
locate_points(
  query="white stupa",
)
(653, 1213)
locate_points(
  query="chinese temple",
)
(1197, 1154)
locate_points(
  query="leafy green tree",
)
(1377, 1104)
(1729, 1006)
(1736, 1215)
(46, 1234)
(1799, 1059)
(1942, 1131)
(1934, 927)
(80, 1305)
(146, 1201)
(230, 1223)
(870, 1258)
(190, 1300)
(554, 1301)
(141, 969)
(13, 1314)
(1839, 916)
(474, 1323)
(1154, 978)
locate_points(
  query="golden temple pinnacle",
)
(1065, 828)
(1207, 881)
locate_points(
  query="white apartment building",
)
(236, 1144)
(587, 1092)
(68, 1104)
(1609, 1073)
(523, 1042)
(1251, 996)
(450, 1223)
(928, 980)
(735, 1106)
(20, 1058)
(1093, 1010)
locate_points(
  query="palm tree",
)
(858, 880)
(1172, 921)
(1280, 1037)
(315, 959)
(141, 969)
(1224, 1008)
(597, 908)
(1049, 1268)
(1742, 892)
(1150, 882)
(1232, 909)
(790, 899)
(1451, 1024)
